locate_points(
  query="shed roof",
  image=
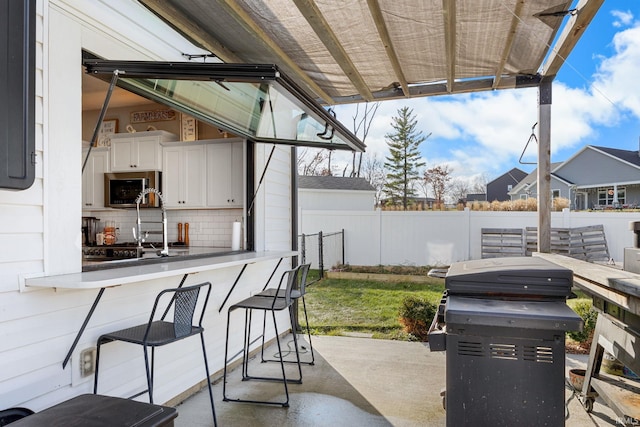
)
(364, 50)
(334, 183)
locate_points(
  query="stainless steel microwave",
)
(122, 189)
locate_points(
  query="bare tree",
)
(361, 126)
(424, 186)
(459, 189)
(438, 178)
(373, 171)
(312, 162)
(480, 184)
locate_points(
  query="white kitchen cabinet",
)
(93, 177)
(225, 174)
(138, 151)
(183, 171)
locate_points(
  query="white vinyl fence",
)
(441, 238)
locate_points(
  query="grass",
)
(337, 306)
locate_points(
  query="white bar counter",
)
(173, 266)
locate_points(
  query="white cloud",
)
(623, 19)
(617, 76)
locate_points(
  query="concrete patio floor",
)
(354, 382)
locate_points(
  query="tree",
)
(361, 126)
(459, 189)
(373, 172)
(311, 162)
(438, 178)
(404, 159)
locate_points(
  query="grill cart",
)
(502, 322)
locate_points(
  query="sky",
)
(596, 101)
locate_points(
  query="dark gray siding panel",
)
(17, 93)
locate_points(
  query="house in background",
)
(499, 188)
(528, 186)
(476, 197)
(335, 192)
(593, 178)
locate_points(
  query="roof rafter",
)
(449, 15)
(243, 18)
(167, 11)
(376, 13)
(571, 33)
(316, 20)
(515, 21)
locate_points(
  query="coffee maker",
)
(89, 230)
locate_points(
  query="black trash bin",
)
(504, 322)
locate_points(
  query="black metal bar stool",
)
(273, 304)
(156, 333)
(297, 294)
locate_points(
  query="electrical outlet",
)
(87, 361)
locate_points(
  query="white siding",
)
(21, 212)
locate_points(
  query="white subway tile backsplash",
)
(207, 227)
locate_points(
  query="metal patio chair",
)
(273, 305)
(296, 295)
(156, 333)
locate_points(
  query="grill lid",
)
(541, 315)
(517, 277)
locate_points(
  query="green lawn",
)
(337, 306)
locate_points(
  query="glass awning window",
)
(257, 102)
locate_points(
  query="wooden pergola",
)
(373, 50)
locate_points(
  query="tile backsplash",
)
(207, 227)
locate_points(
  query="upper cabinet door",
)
(183, 174)
(139, 151)
(225, 175)
(93, 178)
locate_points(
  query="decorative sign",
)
(108, 128)
(152, 116)
(188, 128)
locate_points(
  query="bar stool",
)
(273, 305)
(296, 294)
(156, 333)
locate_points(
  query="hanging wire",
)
(532, 137)
(573, 12)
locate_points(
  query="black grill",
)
(502, 322)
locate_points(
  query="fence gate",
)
(322, 250)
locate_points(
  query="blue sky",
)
(596, 101)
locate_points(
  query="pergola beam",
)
(570, 35)
(515, 20)
(376, 14)
(166, 10)
(321, 27)
(449, 15)
(441, 88)
(244, 19)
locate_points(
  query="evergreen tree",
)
(404, 158)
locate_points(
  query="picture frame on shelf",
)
(108, 128)
(188, 128)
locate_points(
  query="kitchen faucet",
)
(137, 235)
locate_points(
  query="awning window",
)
(257, 102)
